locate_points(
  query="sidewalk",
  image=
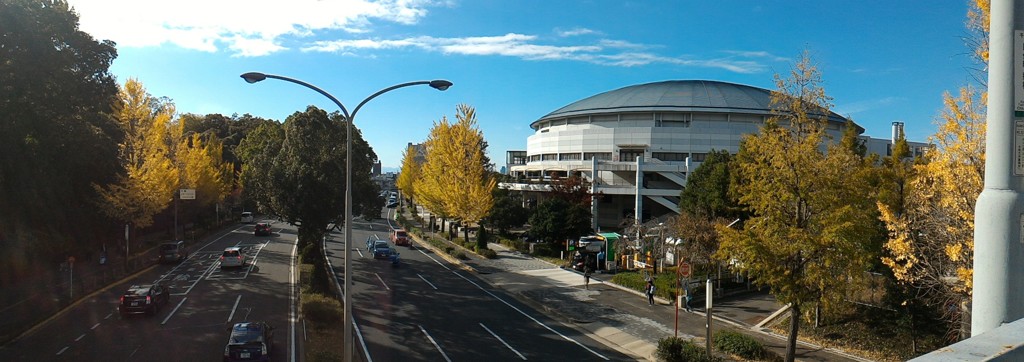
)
(622, 318)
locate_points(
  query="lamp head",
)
(253, 77)
(440, 84)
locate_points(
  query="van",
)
(246, 217)
(173, 251)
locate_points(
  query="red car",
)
(262, 229)
(400, 237)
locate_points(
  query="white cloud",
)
(574, 32)
(867, 105)
(525, 47)
(248, 27)
(757, 54)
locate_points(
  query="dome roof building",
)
(664, 129)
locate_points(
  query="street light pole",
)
(439, 84)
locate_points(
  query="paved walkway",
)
(621, 317)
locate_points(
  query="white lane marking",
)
(503, 342)
(62, 350)
(169, 315)
(291, 302)
(206, 274)
(109, 315)
(435, 260)
(427, 281)
(530, 317)
(80, 337)
(435, 344)
(95, 325)
(233, 309)
(382, 281)
(360, 251)
(359, 335)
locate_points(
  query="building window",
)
(667, 123)
(549, 157)
(604, 156)
(569, 156)
(534, 158)
(698, 157)
(629, 155)
(669, 156)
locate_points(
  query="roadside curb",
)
(442, 254)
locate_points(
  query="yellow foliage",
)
(149, 178)
(454, 181)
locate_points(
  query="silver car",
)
(232, 257)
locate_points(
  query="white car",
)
(247, 217)
(232, 257)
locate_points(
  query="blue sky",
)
(515, 61)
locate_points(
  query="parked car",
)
(144, 298)
(400, 237)
(173, 251)
(247, 217)
(249, 341)
(262, 229)
(232, 257)
(381, 249)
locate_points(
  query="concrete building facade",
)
(663, 129)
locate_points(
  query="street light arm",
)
(441, 85)
(256, 77)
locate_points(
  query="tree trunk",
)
(794, 328)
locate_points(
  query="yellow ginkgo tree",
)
(454, 181)
(147, 185)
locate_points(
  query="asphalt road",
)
(429, 310)
(205, 301)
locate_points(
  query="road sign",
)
(187, 194)
(684, 269)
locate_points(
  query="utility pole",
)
(998, 295)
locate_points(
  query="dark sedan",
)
(145, 298)
(249, 341)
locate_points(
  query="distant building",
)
(376, 168)
(664, 129)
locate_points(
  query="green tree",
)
(707, 189)
(257, 152)
(555, 220)
(508, 211)
(56, 134)
(805, 237)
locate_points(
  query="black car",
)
(145, 298)
(262, 229)
(249, 341)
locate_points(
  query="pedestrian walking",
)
(688, 298)
(649, 289)
(586, 278)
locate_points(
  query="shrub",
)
(320, 309)
(460, 255)
(741, 345)
(448, 249)
(488, 253)
(674, 349)
(544, 250)
(483, 237)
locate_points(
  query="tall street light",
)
(439, 84)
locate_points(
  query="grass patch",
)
(869, 332)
